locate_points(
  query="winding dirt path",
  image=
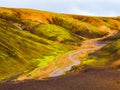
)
(88, 46)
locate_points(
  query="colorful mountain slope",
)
(31, 38)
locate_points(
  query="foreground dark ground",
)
(89, 79)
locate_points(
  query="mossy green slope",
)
(34, 45)
(20, 50)
(106, 56)
(43, 36)
(52, 32)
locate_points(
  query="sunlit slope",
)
(108, 56)
(103, 23)
(34, 44)
(21, 50)
(73, 25)
(30, 38)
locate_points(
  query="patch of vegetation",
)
(93, 61)
(105, 56)
(52, 32)
(114, 37)
(80, 28)
(96, 21)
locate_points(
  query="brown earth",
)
(89, 79)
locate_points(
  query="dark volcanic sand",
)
(89, 79)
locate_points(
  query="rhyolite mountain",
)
(33, 38)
